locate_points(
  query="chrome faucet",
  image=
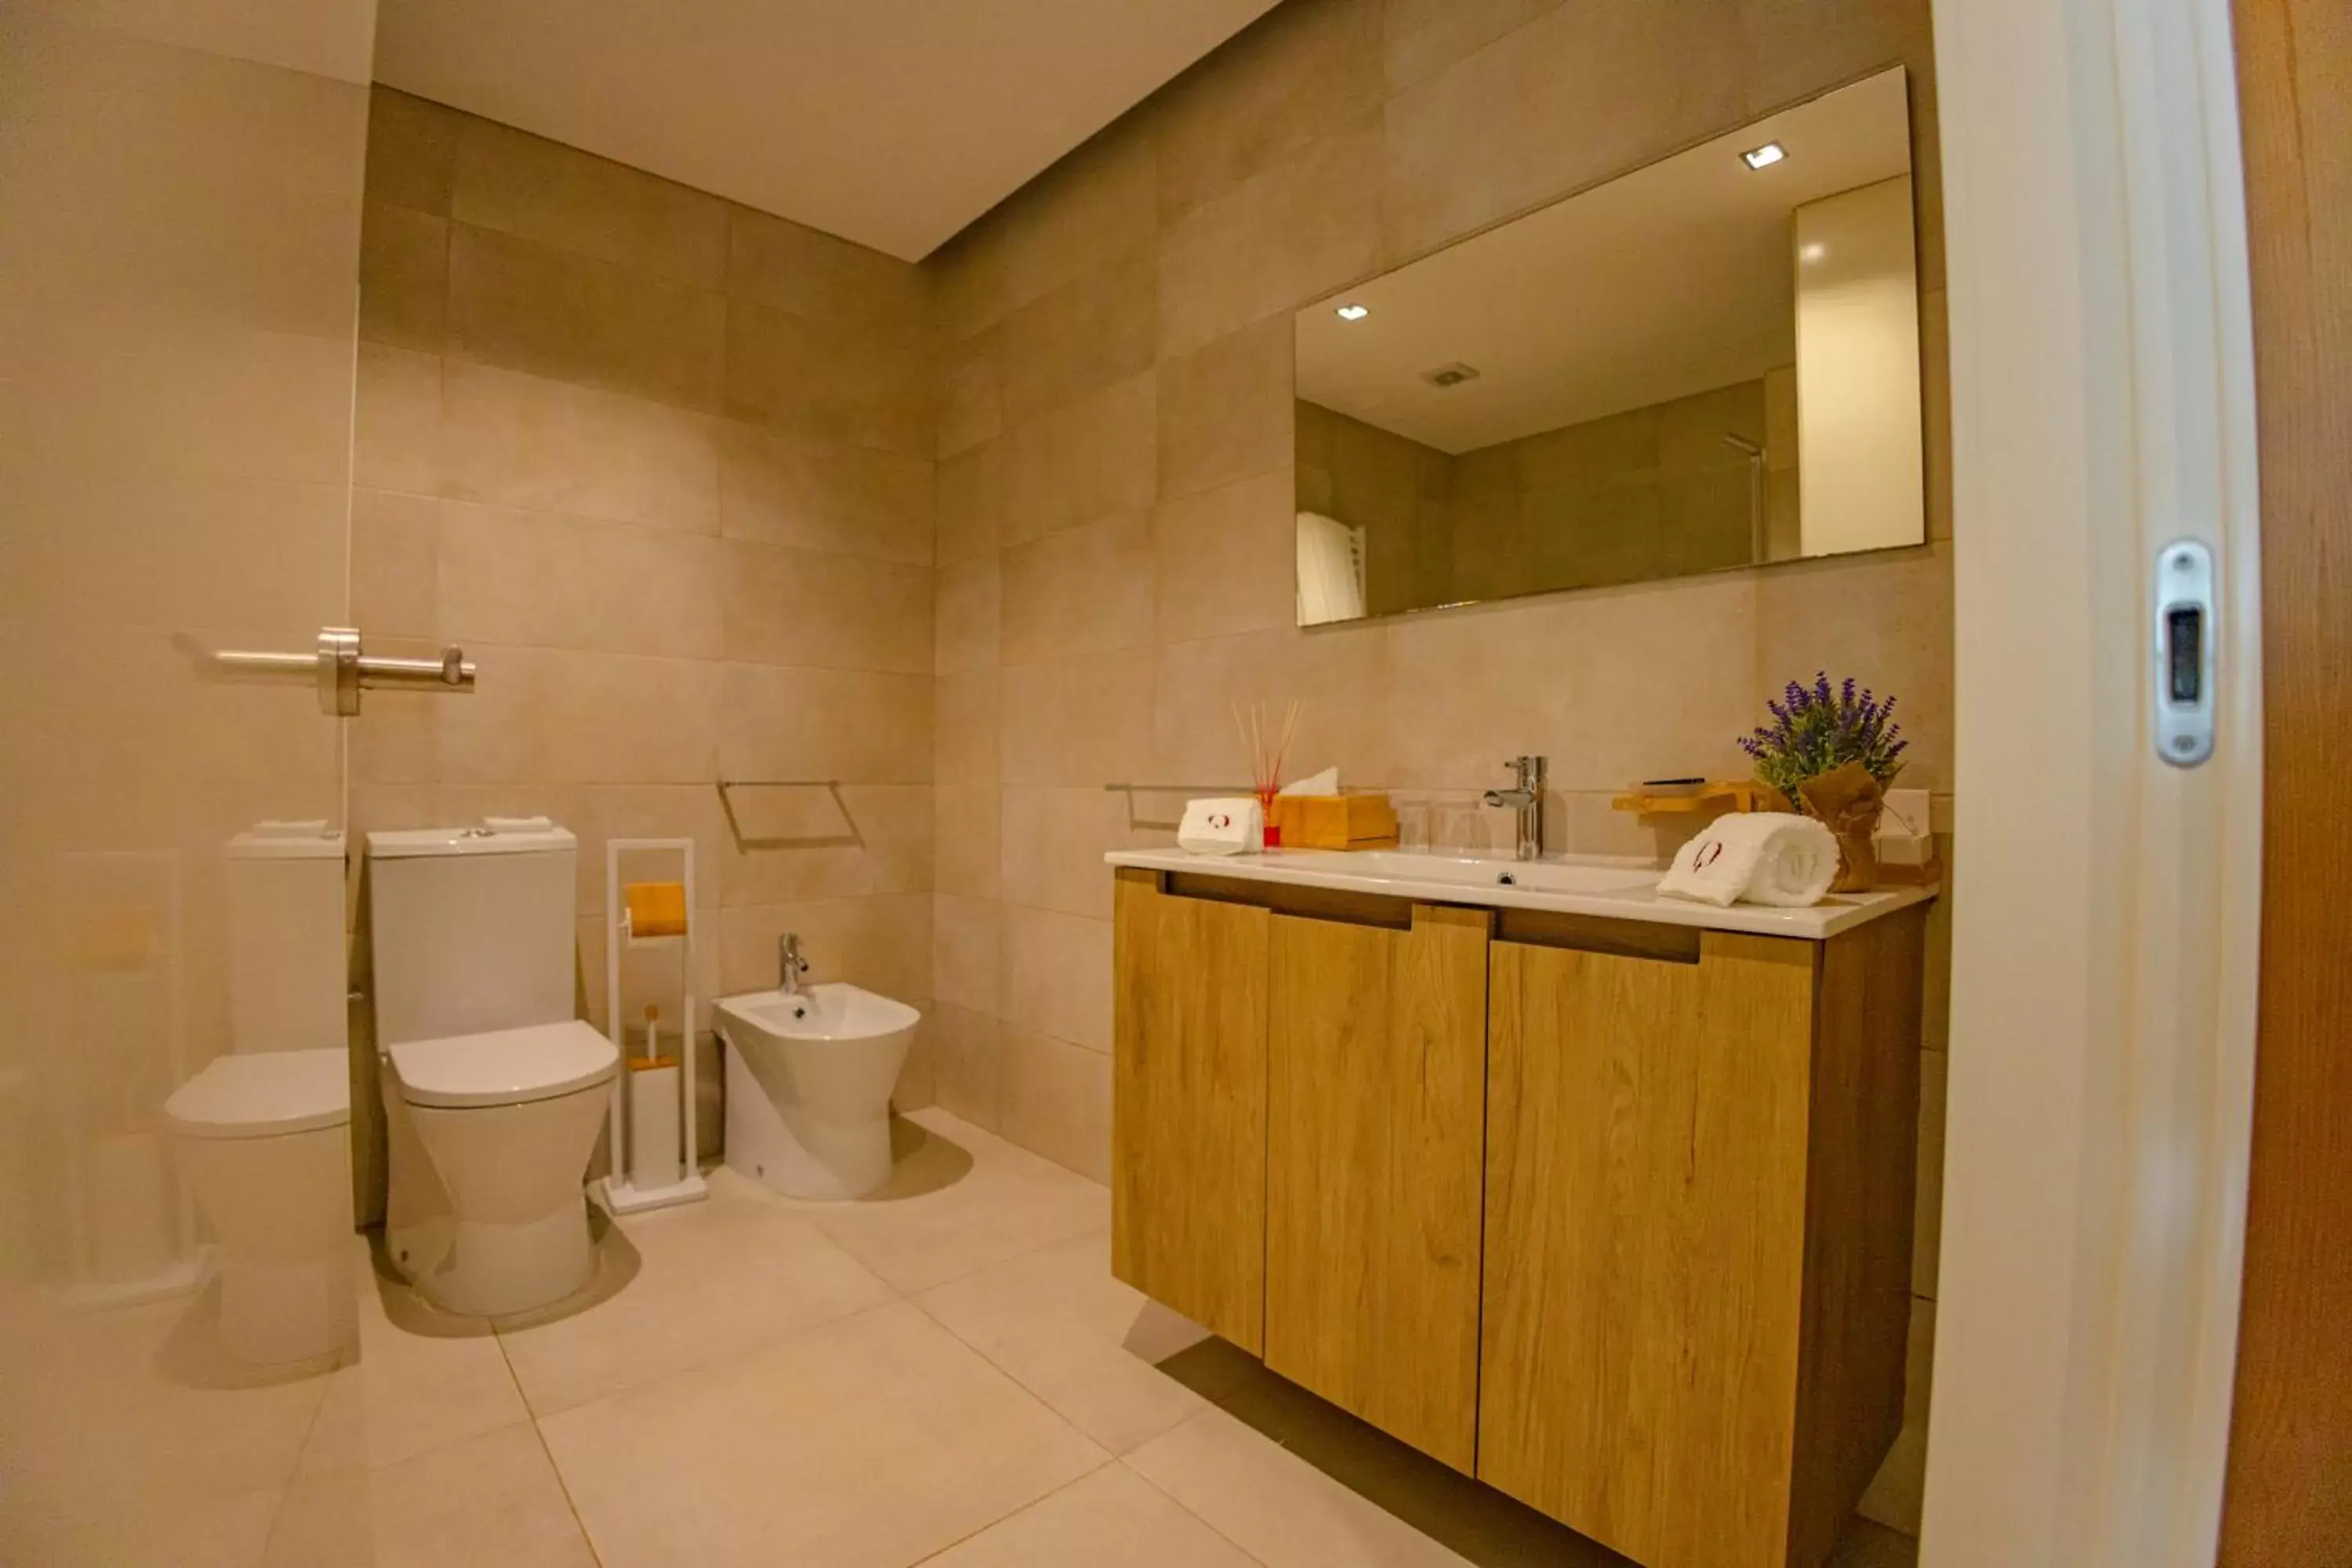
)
(789, 964)
(1528, 796)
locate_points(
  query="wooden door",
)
(1375, 1152)
(1188, 1105)
(1645, 1249)
(2288, 1500)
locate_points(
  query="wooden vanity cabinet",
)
(1698, 1193)
(1615, 1215)
(1188, 1105)
(1375, 1144)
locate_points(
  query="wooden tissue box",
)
(1334, 821)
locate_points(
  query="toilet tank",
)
(471, 929)
(285, 967)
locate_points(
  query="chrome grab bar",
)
(343, 672)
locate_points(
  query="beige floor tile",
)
(1112, 1519)
(225, 1532)
(422, 1381)
(1279, 1509)
(711, 1281)
(104, 1414)
(962, 1200)
(865, 1442)
(1076, 1338)
(492, 1501)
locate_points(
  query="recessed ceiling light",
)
(1764, 157)
(1354, 312)
(1811, 251)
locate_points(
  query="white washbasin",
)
(1472, 871)
(809, 1077)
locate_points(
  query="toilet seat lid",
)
(262, 1094)
(504, 1067)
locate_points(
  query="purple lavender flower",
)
(1815, 728)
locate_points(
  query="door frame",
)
(2106, 905)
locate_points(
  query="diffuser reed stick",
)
(1268, 751)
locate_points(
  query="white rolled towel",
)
(1763, 857)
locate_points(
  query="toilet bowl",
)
(809, 1076)
(264, 1140)
(490, 1135)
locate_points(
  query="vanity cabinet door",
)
(1188, 1105)
(1646, 1147)
(1375, 1146)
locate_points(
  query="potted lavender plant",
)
(1831, 752)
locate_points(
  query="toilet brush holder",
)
(654, 1145)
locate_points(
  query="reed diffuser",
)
(1268, 751)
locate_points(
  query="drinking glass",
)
(1412, 822)
(1460, 827)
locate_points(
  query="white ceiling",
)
(1675, 279)
(891, 122)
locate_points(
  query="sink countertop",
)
(1614, 889)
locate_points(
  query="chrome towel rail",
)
(342, 670)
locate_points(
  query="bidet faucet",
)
(1528, 796)
(789, 964)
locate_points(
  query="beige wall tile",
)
(396, 433)
(540, 715)
(1083, 590)
(539, 580)
(1055, 975)
(1054, 839)
(835, 381)
(1579, 94)
(1053, 1098)
(1791, 48)
(866, 839)
(966, 1052)
(968, 612)
(776, 488)
(1936, 400)
(531, 307)
(1098, 328)
(1083, 460)
(773, 261)
(1341, 677)
(526, 186)
(883, 943)
(971, 392)
(1422, 37)
(1094, 204)
(1303, 70)
(820, 610)
(969, 291)
(396, 564)
(967, 817)
(971, 501)
(1883, 618)
(1226, 559)
(1305, 225)
(598, 811)
(552, 445)
(1226, 410)
(848, 725)
(967, 726)
(1086, 719)
(412, 151)
(403, 278)
(964, 951)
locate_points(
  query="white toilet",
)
(493, 1091)
(263, 1133)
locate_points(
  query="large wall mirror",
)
(1710, 362)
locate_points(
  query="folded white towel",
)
(1232, 825)
(1764, 857)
